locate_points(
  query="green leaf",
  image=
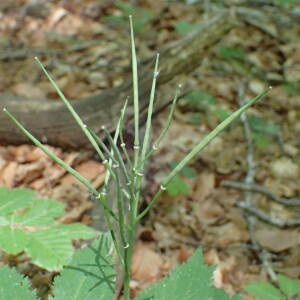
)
(189, 281)
(14, 286)
(90, 276)
(259, 125)
(188, 172)
(77, 231)
(232, 52)
(199, 96)
(11, 200)
(177, 187)
(50, 248)
(290, 88)
(41, 212)
(196, 119)
(289, 286)
(260, 140)
(184, 27)
(127, 8)
(222, 113)
(263, 291)
(13, 240)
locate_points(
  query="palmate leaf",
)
(264, 291)
(11, 200)
(40, 212)
(289, 286)
(189, 281)
(50, 248)
(28, 223)
(14, 286)
(13, 240)
(77, 231)
(90, 275)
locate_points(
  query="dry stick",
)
(267, 218)
(249, 179)
(256, 188)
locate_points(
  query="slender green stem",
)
(136, 146)
(52, 155)
(100, 142)
(117, 153)
(199, 147)
(149, 115)
(72, 111)
(165, 128)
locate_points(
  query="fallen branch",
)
(50, 122)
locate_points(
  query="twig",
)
(262, 253)
(267, 218)
(256, 188)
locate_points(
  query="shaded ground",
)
(86, 47)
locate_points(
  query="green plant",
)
(123, 221)
(141, 16)
(29, 224)
(184, 27)
(288, 289)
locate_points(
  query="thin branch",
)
(256, 188)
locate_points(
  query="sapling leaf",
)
(90, 275)
(78, 231)
(13, 240)
(289, 286)
(189, 281)
(11, 200)
(49, 248)
(263, 291)
(29, 224)
(40, 212)
(14, 286)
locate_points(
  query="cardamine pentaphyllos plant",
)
(128, 172)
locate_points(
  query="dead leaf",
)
(146, 263)
(278, 240)
(9, 173)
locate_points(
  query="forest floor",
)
(85, 46)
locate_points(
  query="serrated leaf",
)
(289, 286)
(50, 248)
(13, 240)
(189, 281)
(90, 276)
(263, 291)
(14, 286)
(78, 231)
(11, 200)
(41, 212)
